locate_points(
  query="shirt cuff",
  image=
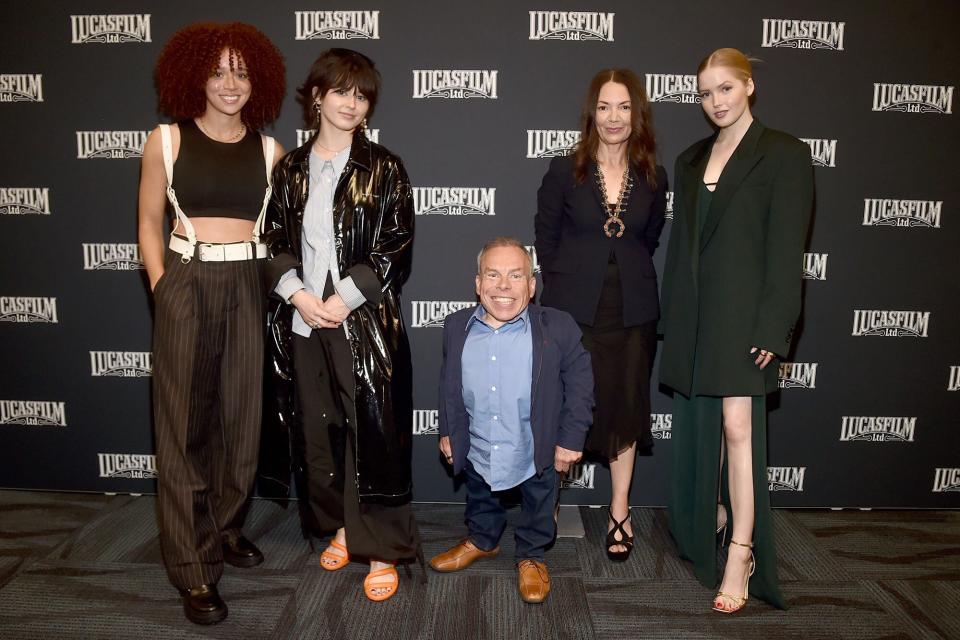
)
(349, 293)
(288, 285)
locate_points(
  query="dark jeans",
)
(486, 518)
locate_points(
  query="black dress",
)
(622, 360)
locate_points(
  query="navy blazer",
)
(561, 398)
(573, 250)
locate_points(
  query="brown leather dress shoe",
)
(533, 580)
(240, 552)
(460, 557)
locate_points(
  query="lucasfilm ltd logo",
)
(532, 250)
(672, 87)
(337, 25)
(883, 322)
(17, 201)
(549, 143)
(426, 422)
(785, 478)
(953, 384)
(38, 413)
(815, 266)
(661, 426)
(303, 135)
(21, 87)
(127, 465)
(28, 309)
(121, 364)
(455, 83)
(454, 201)
(877, 428)
(802, 34)
(110, 144)
(912, 98)
(885, 212)
(946, 479)
(668, 213)
(102, 256)
(430, 313)
(571, 25)
(823, 152)
(798, 375)
(113, 28)
(580, 476)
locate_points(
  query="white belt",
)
(230, 252)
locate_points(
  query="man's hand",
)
(446, 449)
(563, 458)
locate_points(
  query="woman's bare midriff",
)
(219, 229)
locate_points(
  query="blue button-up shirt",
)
(497, 367)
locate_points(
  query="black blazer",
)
(573, 251)
(737, 284)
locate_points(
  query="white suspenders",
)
(216, 252)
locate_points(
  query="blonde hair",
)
(733, 59)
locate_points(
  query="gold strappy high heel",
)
(738, 601)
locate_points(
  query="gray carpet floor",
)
(88, 566)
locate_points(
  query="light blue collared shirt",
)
(319, 249)
(497, 367)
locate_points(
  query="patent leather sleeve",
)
(388, 262)
(276, 233)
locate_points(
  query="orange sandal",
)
(369, 586)
(332, 561)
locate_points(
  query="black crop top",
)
(219, 179)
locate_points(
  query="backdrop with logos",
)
(476, 98)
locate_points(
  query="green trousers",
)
(696, 441)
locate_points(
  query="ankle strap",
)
(749, 545)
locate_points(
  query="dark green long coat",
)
(737, 284)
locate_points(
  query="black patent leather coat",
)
(373, 229)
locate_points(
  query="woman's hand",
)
(314, 311)
(764, 358)
(335, 307)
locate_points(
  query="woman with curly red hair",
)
(600, 212)
(220, 83)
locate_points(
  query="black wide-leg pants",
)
(207, 399)
(325, 396)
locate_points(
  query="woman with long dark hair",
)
(600, 212)
(731, 297)
(340, 232)
(220, 83)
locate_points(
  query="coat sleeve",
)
(443, 413)
(388, 263)
(787, 223)
(549, 216)
(673, 250)
(276, 236)
(576, 376)
(658, 213)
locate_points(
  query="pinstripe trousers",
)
(207, 399)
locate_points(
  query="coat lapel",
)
(691, 188)
(741, 163)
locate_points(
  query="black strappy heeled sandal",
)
(625, 540)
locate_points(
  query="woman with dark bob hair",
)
(340, 232)
(731, 298)
(220, 83)
(600, 211)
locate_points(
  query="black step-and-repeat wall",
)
(477, 96)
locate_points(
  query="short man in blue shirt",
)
(516, 401)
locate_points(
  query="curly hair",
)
(193, 53)
(641, 145)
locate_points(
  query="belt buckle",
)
(208, 252)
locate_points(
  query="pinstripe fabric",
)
(207, 395)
